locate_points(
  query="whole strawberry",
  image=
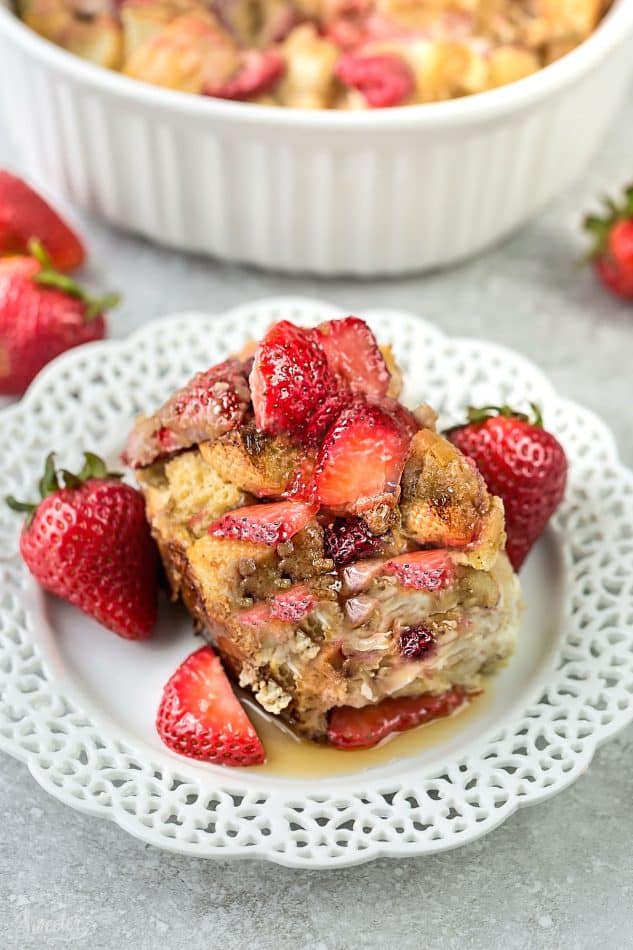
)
(89, 543)
(612, 254)
(521, 463)
(25, 216)
(42, 313)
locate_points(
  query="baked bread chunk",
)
(334, 547)
(320, 54)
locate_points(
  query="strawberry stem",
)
(537, 419)
(49, 482)
(599, 227)
(70, 480)
(93, 467)
(481, 414)
(48, 276)
(16, 505)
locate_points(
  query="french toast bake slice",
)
(342, 557)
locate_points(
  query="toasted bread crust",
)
(299, 672)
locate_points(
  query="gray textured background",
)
(559, 875)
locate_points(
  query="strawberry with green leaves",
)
(43, 312)
(522, 464)
(88, 542)
(612, 254)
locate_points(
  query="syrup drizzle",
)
(287, 756)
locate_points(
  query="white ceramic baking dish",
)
(367, 193)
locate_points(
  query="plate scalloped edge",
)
(91, 391)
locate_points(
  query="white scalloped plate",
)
(77, 704)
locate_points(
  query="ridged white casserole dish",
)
(367, 193)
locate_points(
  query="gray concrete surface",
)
(559, 875)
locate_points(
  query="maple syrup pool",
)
(288, 756)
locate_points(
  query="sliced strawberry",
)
(289, 380)
(384, 80)
(212, 403)
(200, 716)
(289, 606)
(259, 72)
(361, 460)
(269, 524)
(422, 570)
(354, 355)
(352, 728)
(403, 416)
(25, 216)
(324, 417)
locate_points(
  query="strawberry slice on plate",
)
(361, 460)
(269, 524)
(352, 728)
(25, 216)
(290, 378)
(354, 355)
(422, 570)
(201, 717)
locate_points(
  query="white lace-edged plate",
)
(77, 704)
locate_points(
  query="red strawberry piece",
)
(347, 32)
(384, 80)
(351, 728)
(258, 73)
(423, 570)
(357, 24)
(26, 216)
(361, 460)
(290, 606)
(301, 485)
(349, 539)
(615, 266)
(201, 717)
(89, 543)
(42, 313)
(210, 404)
(612, 254)
(324, 417)
(269, 524)
(521, 463)
(354, 355)
(403, 416)
(290, 379)
(416, 642)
